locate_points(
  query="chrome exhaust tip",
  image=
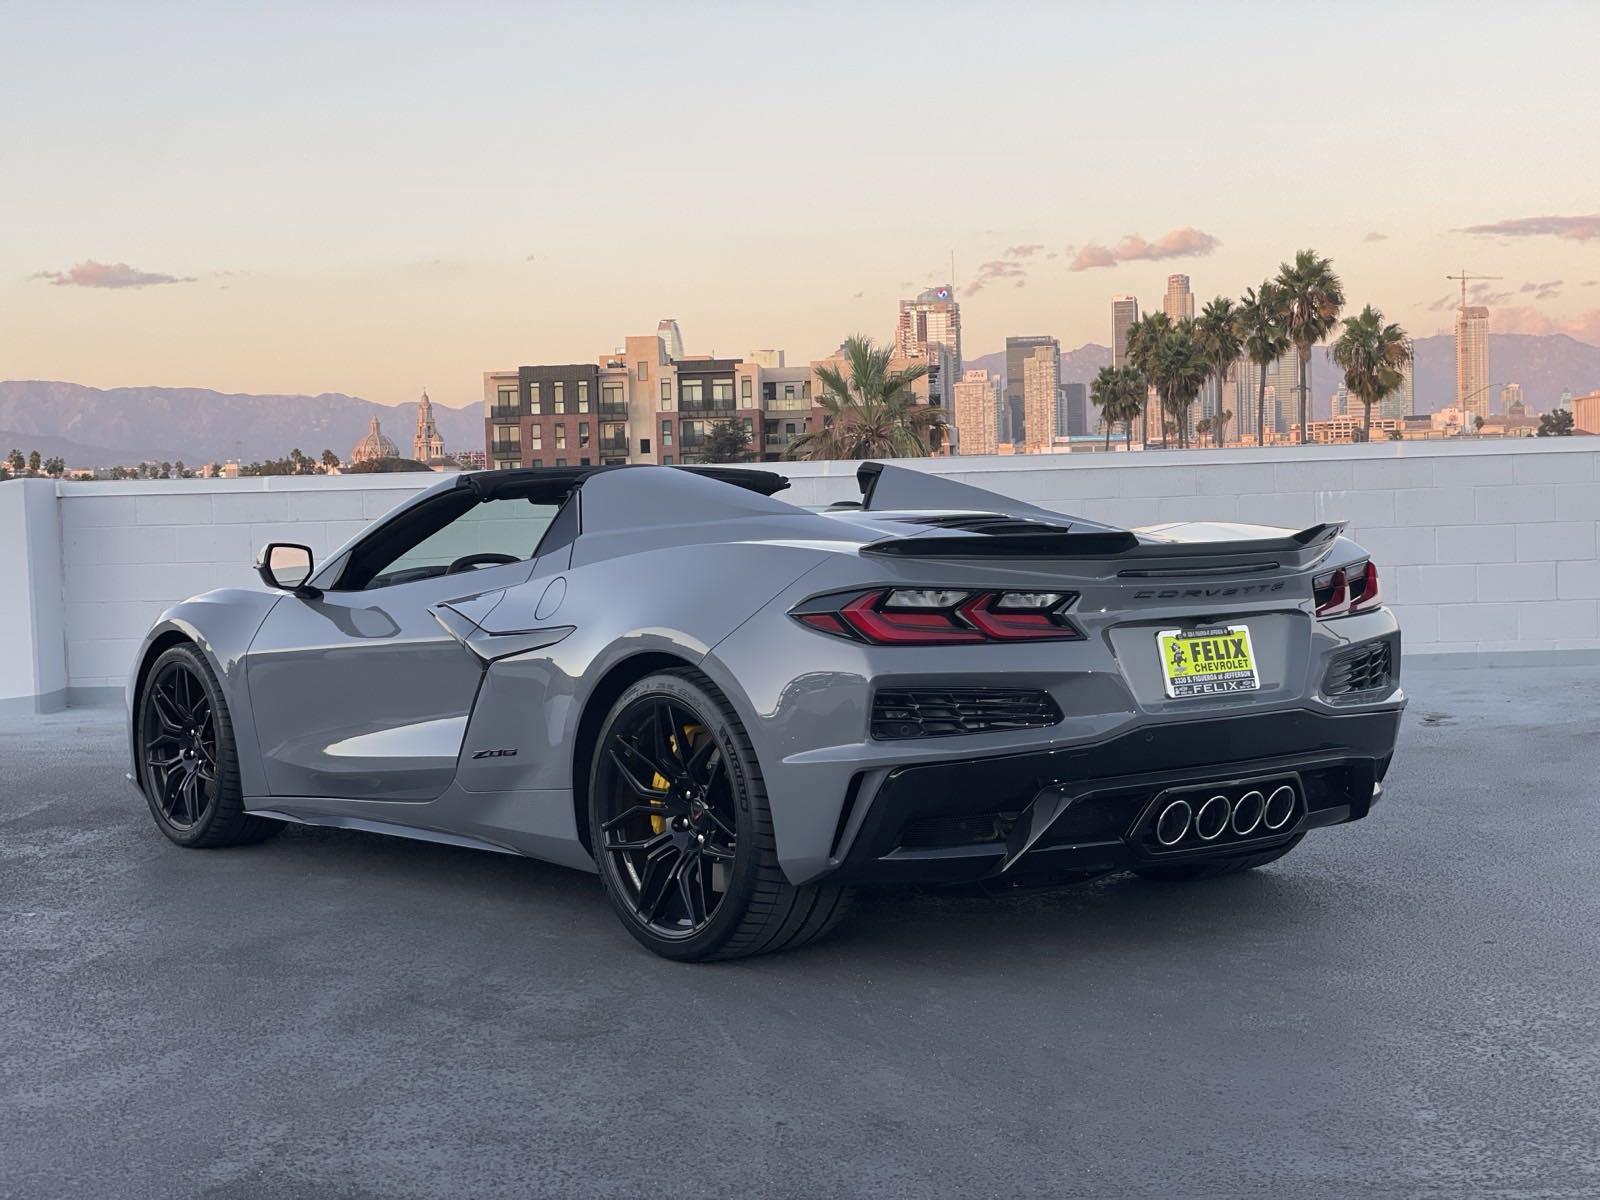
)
(1212, 819)
(1279, 809)
(1247, 813)
(1173, 823)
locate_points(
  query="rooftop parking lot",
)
(1406, 1006)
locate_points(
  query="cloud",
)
(1527, 319)
(1577, 229)
(530, 258)
(1183, 242)
(1591, 282)
(1376, 237)
(1026, 250)
(93, 274)
(1544, 291)
(995, 269)
(858, 295)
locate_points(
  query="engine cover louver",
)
(899, 713)
(1364, 669)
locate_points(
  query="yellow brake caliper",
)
(661, 783)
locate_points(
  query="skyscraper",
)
(930, 328)
(977, 412)
(1124, 312)
(1072, 410)
(1472, 360)
(1511, 395)
(1041, 386)
(1403, 401)
(1019, 350)
(671, 337)
(1179, 302)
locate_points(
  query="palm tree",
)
(1222, 339)
(1179, 369)
(1265, 342)
(1219, 425)
(1119, 393)
(869, 411)
(1312, 297)
(1373, 355)
(1143, 337)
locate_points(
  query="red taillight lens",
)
(900, 617)
(1347, 590)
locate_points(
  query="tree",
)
(1119, 393)
(16, 462)
(1373, 354)
(1143, 337)
(330, 460)
(869, 411)
(1221, 337)
(1311, 298)
(1555, 424)
(726, 442)
(373, 466)
(55, 467)
(34, 463)
(1396, 436)
(1477, 422)
(1179, 369)
(1265, 342)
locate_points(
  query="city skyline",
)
(421, 217)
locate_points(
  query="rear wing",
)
(1136, 557)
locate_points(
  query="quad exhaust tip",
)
(1250, 813)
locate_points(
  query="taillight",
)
(940, 616)
(1347, 590)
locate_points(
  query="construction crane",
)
(1464, 276)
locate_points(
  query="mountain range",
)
(101, 427)
(94, 427)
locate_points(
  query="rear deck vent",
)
(1364, 669)
(899, 713)
(940, 833)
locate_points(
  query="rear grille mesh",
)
(899, 713)
(1364, 669)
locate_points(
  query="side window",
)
(426, 542)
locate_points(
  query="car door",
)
(361, 692)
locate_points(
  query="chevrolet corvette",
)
(738, 711)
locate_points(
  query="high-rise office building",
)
(1041, 386)
(1018, 351)
(977, 412)
(1510, 395)
(1124, 312)
(1179, 301)
(1472, 360)
(930, 328)
(1403, 401)
(1072, 410)
(671, 337)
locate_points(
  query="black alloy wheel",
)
(188, 769)
(671, 838)
(682, 833)
(180, 745)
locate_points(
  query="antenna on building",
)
(1466, 275)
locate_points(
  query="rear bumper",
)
(1088, 809)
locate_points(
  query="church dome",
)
(374, 446)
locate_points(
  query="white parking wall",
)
(1488, 550)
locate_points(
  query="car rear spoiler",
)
(1143, 559)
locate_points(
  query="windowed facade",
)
(558, 397)
(583, 395)
(666, 434)
(666, 395)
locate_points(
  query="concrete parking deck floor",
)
(1406, 1006)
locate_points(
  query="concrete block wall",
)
(1488, 551)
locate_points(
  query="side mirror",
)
(285, 566)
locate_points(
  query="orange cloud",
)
(1184, 242)
(93, 274)
(1527, 319)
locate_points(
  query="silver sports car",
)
(737, 710)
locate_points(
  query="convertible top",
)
(552, 483)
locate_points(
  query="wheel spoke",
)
(166, 710)
(649, 844)
(692, 890)
(701, 757)
(660, 870)
(648, 810)
(717, 853)
(637, 785)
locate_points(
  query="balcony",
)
(610, 410)
(616, 444)
(505, 449)
(500, 412)
(707, 406)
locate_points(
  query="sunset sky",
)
(376, 198)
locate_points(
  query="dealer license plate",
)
(1213, 661)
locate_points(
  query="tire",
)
(756, 910)
(221, 819)
(1188, 872)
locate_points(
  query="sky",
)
(377, 198)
